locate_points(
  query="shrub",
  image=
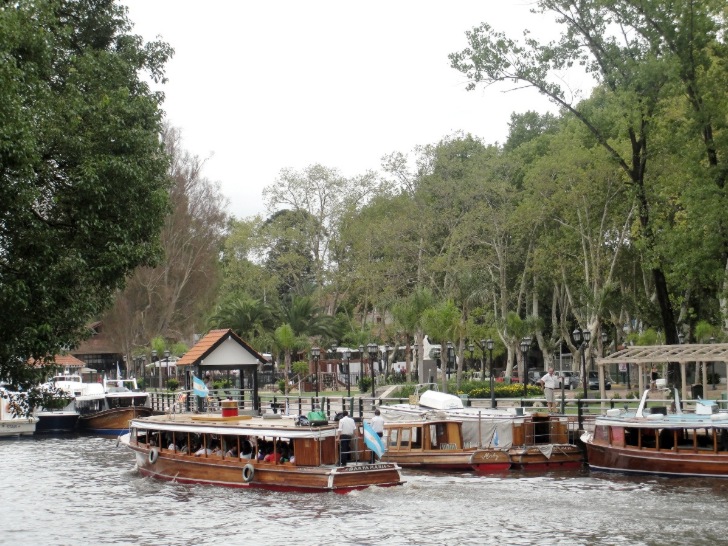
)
(365, 383)
(172, 384)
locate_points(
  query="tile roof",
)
(66, 361)
(209, 342)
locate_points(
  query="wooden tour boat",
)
(679, 444)
(438, 445)
(241, 451)
(541, 442)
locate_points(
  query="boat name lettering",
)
(364, 468)
(448, 446)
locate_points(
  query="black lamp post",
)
(450, 358)
(471, 348)
(385, 355)
(316, 353)
(525, 346)
(124, 359)
(372, 347)
(143, 359)
(347, 356)
(489, 344)
(482, 360)
(586, 335)
(712, 366)
(361, 362)
(151, 362)
(437, 354)
(166, 362)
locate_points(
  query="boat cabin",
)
(424, 436)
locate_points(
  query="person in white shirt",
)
(377, 423)
(347, 427)
(549, 383)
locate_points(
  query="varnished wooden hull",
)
(229, 472)
(490, 461)
(663, 462)
(533, 458)
(432, 460)
(113, 421)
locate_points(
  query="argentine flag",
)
(373, 441)
(199, 387)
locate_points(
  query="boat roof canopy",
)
(649, 354)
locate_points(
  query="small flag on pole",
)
(373, 441)
(199, 387)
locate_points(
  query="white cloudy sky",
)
(258, 86)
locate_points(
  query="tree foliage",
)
(83, 173)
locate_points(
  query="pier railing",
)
(579, 410)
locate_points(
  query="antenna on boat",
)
(641, 407)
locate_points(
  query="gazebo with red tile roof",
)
(224, 350)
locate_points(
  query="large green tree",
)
(83, 172)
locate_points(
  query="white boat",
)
(107, 408)
(10, 423)
(61, 416)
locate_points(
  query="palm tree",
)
(248, 317)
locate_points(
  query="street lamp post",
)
(125, 370)
(450, 357)
(347, 356)
(525, 346)
(151, 362)
(489, 344)
(361, 364)
(586, 335)
(471, 348)
(385, 355)
(482, 360)
(316, 353)
(372, 347)
(166, 362)
(712, 365)
(143, 359)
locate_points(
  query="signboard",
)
(622, 367)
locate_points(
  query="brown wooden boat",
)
(275, 454)
(107, 409)
(541, 441)
(641, 442)
(438, 445)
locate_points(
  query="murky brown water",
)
(84, 490)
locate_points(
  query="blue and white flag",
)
(199, 387)
(373, 441)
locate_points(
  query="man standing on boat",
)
(548, 382)
(347, 426)
(377, 424)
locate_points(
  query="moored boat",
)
(541, 442)
(677, 444)
(107, 409)
(240, 451)
(61, 416)
(438, 445)
(11, 423)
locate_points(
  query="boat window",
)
(601, 434)
(405, 439)
(617, 436)
(416, 438)
(433, 437)
(393, 437)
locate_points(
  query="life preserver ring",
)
(153, 455)
(248, 473)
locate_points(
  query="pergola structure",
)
(656, 355)
(223, 350)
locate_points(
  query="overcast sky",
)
(257, 87)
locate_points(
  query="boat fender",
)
(248, 473)
(153, 454)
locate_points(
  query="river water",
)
(85, 490)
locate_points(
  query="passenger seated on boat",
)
(172, 447)
(207, 451)
(246, 450)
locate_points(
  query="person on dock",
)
(549, 383)
(347, 427)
